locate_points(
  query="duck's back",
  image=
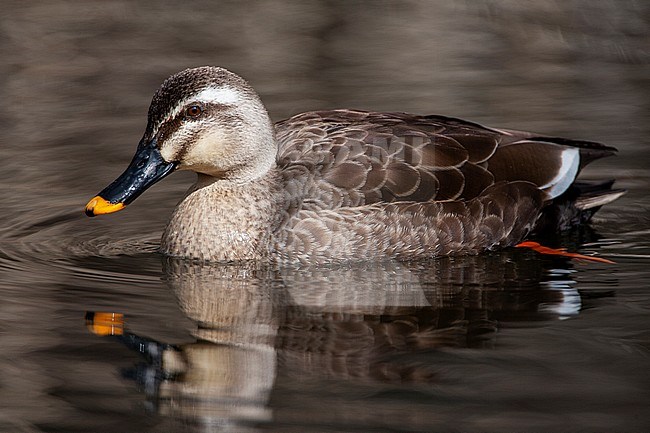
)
(404, 185)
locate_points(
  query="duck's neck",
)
(224, 220)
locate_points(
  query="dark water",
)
(502, 342)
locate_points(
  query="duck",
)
(346, 185)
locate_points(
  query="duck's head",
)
(205, 119)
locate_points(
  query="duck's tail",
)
(576, 205)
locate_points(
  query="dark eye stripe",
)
(169, 127)
(212, 109)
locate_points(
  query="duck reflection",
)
(256, 324)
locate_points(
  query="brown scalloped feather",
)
(501, 216)
(432, 185)
(397, 148)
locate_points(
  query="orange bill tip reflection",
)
(104, 323)
(100, 206)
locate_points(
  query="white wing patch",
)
(566, 174)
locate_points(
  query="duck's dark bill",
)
(146, 168)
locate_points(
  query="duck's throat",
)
(223, 221)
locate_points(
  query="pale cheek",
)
(210, 149)
(173, 146)
(169, 152)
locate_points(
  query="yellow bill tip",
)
(100, 206)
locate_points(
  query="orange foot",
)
(559, 252)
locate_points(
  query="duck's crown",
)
(189, 84)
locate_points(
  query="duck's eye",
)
(193, 111)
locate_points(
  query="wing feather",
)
(361, 158)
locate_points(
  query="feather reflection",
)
(257, 327)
